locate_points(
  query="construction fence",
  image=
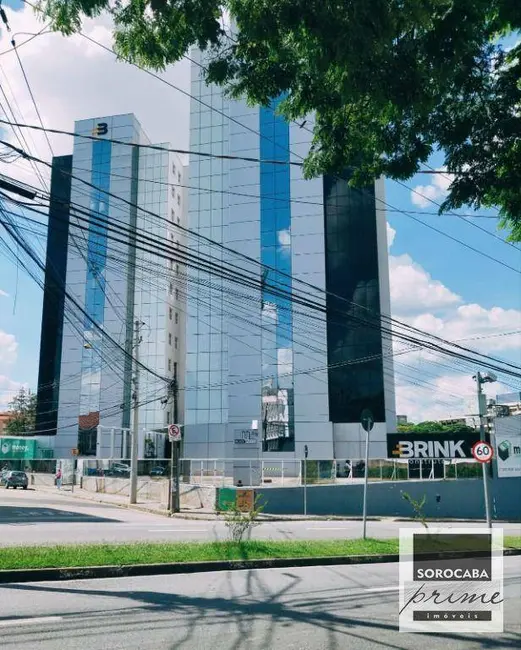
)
(219, 472)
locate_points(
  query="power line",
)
(13, 43)
(322, 307)
(242, 256)
(153, 147)
(28, 251)
(278, 162)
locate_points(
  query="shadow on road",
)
(347, 619)
(37, 515)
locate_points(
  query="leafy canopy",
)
(434, 427)
(23, 410)
(388, 81)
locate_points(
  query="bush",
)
(239, 522)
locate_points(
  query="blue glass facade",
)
(94, 294)
(277, 339)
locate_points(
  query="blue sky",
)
(445, 278)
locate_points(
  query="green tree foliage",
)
(388, 81)
(23, 409)
(434, 427)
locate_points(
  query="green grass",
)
(39, 557)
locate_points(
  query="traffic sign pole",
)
(367, 422)
(174, 435)
(482, 438)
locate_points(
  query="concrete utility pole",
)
(482, 411)
(134, 449)
(175, 455)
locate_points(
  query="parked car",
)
(16, 479)
(118, 469)
(157, 471)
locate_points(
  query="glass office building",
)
(108, 189)
(300, 352)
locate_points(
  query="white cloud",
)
(391, 233)
(426, 390)
(442, 397)
(284, 237)
(8, 348)
(8, 390)
(436, 191)
(500, 328)
(4, 293)
(413, 289)
(74, 79)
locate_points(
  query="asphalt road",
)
(46, 518)
(316, 608)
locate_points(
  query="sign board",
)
(482, 452)
(17, 448)
(246, 436)
(431, 445)
(508, 446)
(367, 420)
(174, 432)
(101, 128)
(245, 500)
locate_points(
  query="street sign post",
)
(174, 432)
(367, 422)
(174, 436)
(306, 453)
(483, 452)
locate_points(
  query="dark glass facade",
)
(277, 337)
(53, 297)
(353, 303)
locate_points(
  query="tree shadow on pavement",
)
(34, 515)
(347, 619)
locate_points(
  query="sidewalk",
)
(186, 513)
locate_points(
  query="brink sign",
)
(434, 445)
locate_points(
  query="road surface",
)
(28, 517)
(333, 608)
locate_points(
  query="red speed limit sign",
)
(482, 452)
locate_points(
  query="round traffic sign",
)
(174, 432)
(482, 452)
(367, 420)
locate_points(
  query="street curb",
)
(137, 570)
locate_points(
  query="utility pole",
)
(175, 469)
(134, 449)
(482, 411)
(306, 452)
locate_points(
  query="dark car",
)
(157, 471)
(16, 479)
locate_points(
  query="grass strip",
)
(40, 557)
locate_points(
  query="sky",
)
(437, 284)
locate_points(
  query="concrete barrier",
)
(461, 499)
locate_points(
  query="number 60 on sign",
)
(482, 452)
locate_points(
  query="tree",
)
(23, 409)
(388, 81)
(432, 426)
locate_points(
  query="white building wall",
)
(126, 296)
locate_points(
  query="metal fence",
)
(278, 473)
(220, 472)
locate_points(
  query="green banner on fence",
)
(225, 498)
(17, 449)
